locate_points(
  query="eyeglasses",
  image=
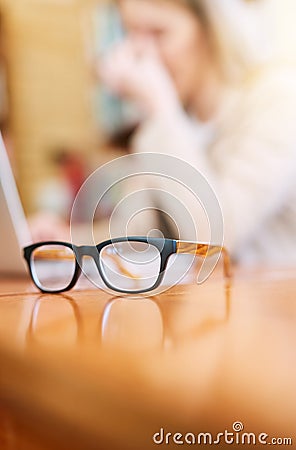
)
(131, 265)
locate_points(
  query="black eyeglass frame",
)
(166, 248)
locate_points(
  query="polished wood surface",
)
(90, 371)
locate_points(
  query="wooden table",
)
(91, 371)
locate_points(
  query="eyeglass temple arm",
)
(54, 254)
(205, 250)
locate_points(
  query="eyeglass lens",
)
(130, 266)
(53, 267)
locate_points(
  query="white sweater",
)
(248, 154)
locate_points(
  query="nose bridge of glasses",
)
(88, 251)
(94, 253)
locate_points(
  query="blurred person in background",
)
(201, 74)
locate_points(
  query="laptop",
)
(14, 230)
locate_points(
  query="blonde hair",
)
(235, 32)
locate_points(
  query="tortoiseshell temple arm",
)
(52, 254)
(205, 250)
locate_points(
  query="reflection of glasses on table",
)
(131, 265)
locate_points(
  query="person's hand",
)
(134, 70)
(46, 226)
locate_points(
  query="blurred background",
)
(51, 112)
(55, 117)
